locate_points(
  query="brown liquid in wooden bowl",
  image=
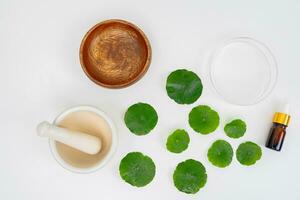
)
(115, 54)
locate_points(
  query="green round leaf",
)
(178, 141)
(189, 176)
(184, 86)
(203, 119)
(140, 118)
(137, 169)
(235, 129)
(248, 153)
(220, 153)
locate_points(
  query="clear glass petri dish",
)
(243, 71)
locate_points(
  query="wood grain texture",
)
(115, 54)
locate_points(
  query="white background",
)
(41, 76)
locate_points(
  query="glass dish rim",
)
(267, 53)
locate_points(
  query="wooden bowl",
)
(115, 53)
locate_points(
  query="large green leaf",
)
(220, 153)
(140, 118)
(178, 141)
(248, 153)
(184, 86)
(203, 119)
(137, 169)
(235, 129)
(189, 176)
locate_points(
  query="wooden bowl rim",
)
(136, 78)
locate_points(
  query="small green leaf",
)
(178, 141)
(220, 153)
(203, 119)
(140, 118)
(189, 176)
(184, 86)
(248, 153)
(235, 129)
(137, 169)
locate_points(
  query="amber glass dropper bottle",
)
(278, 130)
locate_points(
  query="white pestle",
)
(81, 141)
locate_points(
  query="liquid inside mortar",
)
(90, 123)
